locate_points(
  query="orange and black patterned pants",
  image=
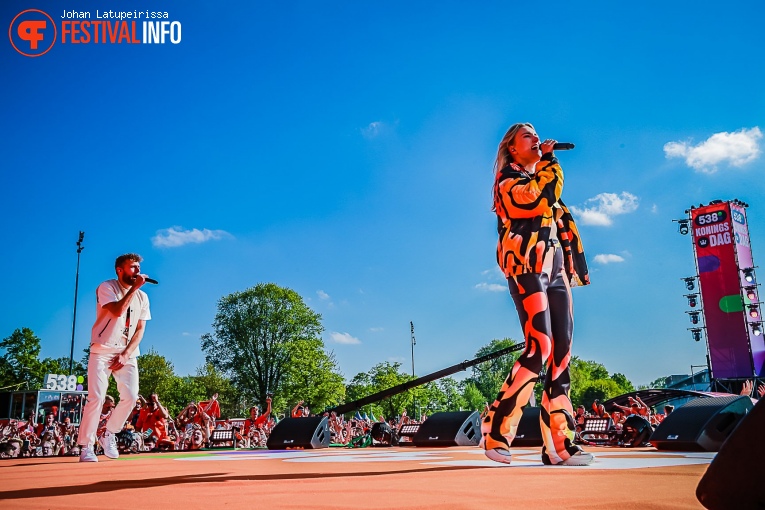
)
(545, 309)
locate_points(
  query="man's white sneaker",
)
(499, 455)
(581, 458)
(87, 454)
(109, 443)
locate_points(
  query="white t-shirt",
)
(110, 334)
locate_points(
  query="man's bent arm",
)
(121, 359)
(117, 308)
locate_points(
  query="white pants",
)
(98, 382)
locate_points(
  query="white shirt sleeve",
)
(107, 293)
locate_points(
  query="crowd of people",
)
(619, 415)
(151, 428)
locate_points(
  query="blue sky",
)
(345, 150)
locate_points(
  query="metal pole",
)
(414, 342)
(80, 247)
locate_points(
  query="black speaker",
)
(457, 428)
(732, 479)
(382, 434)
(529, 432)
(701, 425)
(306, 433)
(636, 430)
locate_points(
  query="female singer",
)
(540, 253)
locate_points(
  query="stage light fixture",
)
(748, 274)
(751, 292)
(692, 300)
(756, 328)
(696, 333)
(694, 317)
(690, 282)
(754, 313)
(682, 227)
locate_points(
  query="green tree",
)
(61, 366)
(155, 374)
(474, 399)
(625, 385)
(312, 376)
(20, 364)
(590, 380)
(253, 330)
(601, 389)
(488, 377)
(445, 395)
(382, 377)
(177, 392)
(661, 382)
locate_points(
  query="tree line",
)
(266, 341)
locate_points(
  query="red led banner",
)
(719, 280)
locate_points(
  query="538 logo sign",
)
(60, 382)
(32, 33)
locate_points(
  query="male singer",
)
(122, 310)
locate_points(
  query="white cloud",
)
(185, 333)
(494, 273)
(654, 208)
(608, 258)
(376, 330)
(373, 129)
(322, 295)
(490, 287)
(174, 237)
(343, 338)
(736, 149)
(599, 210)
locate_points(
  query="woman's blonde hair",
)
(503, 152)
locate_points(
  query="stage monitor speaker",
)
(457, 428)
(731, 479)
(304, 433)
(529, 432)
(701, 425)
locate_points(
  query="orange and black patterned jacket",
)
(526, 206)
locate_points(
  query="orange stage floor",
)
(371, 478)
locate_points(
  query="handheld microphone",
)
(563, 146)
(151, 280)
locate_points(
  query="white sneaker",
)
(109, 443)
(87, 454)
(581, 458)
(499, 455)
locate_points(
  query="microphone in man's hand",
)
(563, 146)
(151, 280)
